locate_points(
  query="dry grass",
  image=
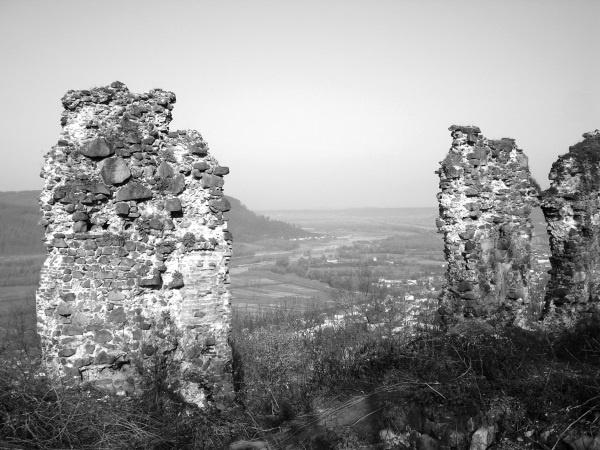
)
(35, 413)
(286, 362)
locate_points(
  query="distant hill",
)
(21, 235)
(248, 226)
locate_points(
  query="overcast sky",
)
(312, 104)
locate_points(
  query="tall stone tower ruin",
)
(572, 209)
(486, 196)
(138, 249)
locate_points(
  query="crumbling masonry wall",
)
(138, 249)
(572, 209)
(486, 196)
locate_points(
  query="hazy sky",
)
(313, 104)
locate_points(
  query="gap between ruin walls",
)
(485, 202)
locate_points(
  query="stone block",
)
(220, 205)
(117, 316)
(176, 184)
(66, 352)
(59, 243)
(173, 205)
(64, 309)
(115, 170)
(165, 170)
(152, 282)
(210, 181)
(102, 336)
(97, 148)
(80, 216)
(80, 227)
(221, 170)
(199, 149)
(201, 166)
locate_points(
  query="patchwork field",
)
(259, 288)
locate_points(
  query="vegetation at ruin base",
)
(430, 381)
(303, 384)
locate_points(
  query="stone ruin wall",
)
(572, 209)
(138, 249)
(486, 196)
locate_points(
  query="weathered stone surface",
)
(173, 205)
(483, 438)
(221, 204)
(128, 272)
(64, 309)
(209, 181)
(66, 352)
(122, 208)
(486, 195)
(67, 296)
(97, 148)
(199, 149)
(177, 282)
(221, 170)
(165, 170)
(58, 243)
(79, 216)
(115, 170)
(201, 166)
(176, 184)
(572, 209)
(116, 296)
(133, 191)
(80, 227)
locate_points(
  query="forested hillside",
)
(248, 226)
